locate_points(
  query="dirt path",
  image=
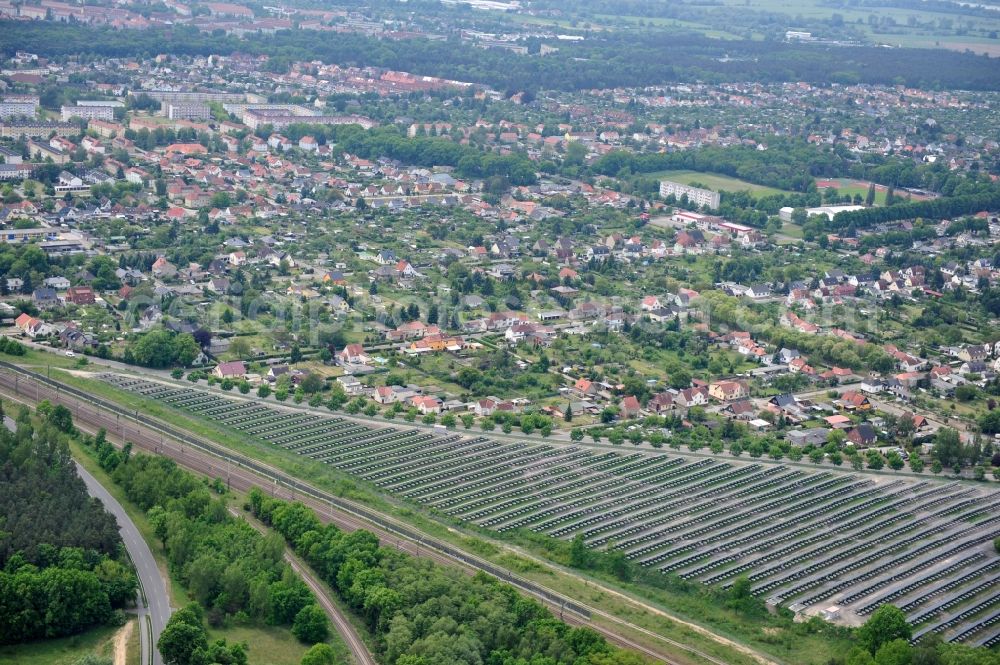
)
(120, 651)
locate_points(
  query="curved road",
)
(154, 589)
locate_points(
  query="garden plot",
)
(807, 539)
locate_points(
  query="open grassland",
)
(61, 651)
(714, 181)
(929, 29)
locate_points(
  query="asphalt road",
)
(154, 588)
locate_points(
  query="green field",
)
(893, 26)
(852, 187)
(60, 651)
(716, 182)
(928, 31)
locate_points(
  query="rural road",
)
(153, 586)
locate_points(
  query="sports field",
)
(719, 183)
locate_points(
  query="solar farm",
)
(817, 541)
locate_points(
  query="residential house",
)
(234, 369)
(81, 295)
(630, 407)
(353, 354)
(426, 404)
(696, 396)
(585, 388)
(862, 436)
(727, 391)
(351, 385)
(45, 298)
(31, 326)
(855, 401)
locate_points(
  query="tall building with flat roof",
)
(88, 112)
(705, 198)
(188, 111)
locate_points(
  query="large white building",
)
(18, 106)
(88, 112)
(705, 198)
(188, 111)
(785, 214)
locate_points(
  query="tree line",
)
(62, 567)
(631, 58)
(424, 614)
(227, 566)
(939, 208)
(786, 164)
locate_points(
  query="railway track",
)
(242, 474)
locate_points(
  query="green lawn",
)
(851, 187)
(716, 182)
(268, 645)
(61, 651)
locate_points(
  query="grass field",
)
(716, 182)
(61, 651)
(852, 187)
(906, 27)
(927, 33)
(267, 645)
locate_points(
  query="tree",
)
(947, 447)
(870, 196)
(874, 459)
(859, 656)
(181, 639)
(568, 413)
(311, 624)
(61, 418)
(319, 654)
(886, 624)
(239, 347)
(579, 555)
(896, 652)
(312, 383)
(154, 349)
(185, 349)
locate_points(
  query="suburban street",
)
(153, 585)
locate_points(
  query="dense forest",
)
(632, 58)
(62, 569)
(424, 614)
